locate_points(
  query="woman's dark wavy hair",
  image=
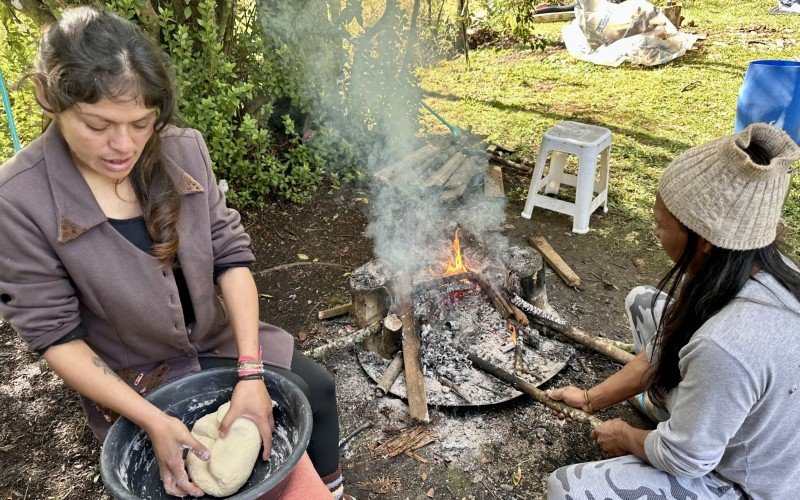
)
(90, 54)
(701, 294)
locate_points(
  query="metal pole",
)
(9, 115)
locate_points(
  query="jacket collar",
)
(77, 210)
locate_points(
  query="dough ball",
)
(232, 458)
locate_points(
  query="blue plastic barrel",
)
(770, 93)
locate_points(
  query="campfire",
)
(459, 306)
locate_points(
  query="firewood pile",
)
(446, 170)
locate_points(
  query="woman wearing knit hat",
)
(718, 341)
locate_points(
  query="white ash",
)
(440, 355)
(374, 274)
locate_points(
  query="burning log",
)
(499, 304)
(549, 321)
(370, 294)
(389, 376)
(533, 391)
(335, 311)
(415, 380)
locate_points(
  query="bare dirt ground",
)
(502, 451)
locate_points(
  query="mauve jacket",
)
(63, 264)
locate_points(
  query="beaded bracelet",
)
(244, 359)
(259, 376)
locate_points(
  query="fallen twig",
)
(361, 428)
(282, 267)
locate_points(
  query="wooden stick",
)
(533, 391)
(508, 163)
(405, 162)
(552, 17)
(443, 174)
(554, 260)
(625, 346)
(361, 428)
(498, 304)
(341, 343)
(518, 360)
(520, 316)
(415, 380)
(454, 387)
(391, 373)
(575, 334)
(335, 311)
(460, 179)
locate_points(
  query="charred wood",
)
(550, 322)
(415, 380)
(533, 391)
(389, 376)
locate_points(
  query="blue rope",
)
(9, 115)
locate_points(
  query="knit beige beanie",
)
(720, 193)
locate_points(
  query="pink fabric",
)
(303, 483)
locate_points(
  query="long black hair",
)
(702, 293)
(90, 54)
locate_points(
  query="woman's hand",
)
(170, 437)
(613, 436)
(571, 396)
(251, 400)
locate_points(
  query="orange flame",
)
(456, 264)
(513, 330)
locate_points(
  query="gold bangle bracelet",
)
(586, 399)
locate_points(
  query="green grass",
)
(654, 113)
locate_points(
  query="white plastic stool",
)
(587, 142)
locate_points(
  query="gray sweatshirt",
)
(737, 407)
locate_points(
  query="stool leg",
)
(553, 180)
(584, 190)
(538, 170)
(605, 162)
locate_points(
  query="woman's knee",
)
(640, 296)
(557, 486)
(323, 389)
